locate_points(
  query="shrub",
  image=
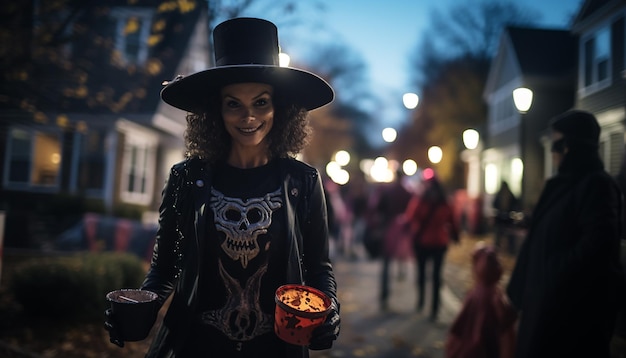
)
(74, 286)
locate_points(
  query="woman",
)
(432, 227)
(239, 216)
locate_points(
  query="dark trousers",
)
(423, 255)
(504, 231)
(384, 280)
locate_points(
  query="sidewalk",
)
(401, 331)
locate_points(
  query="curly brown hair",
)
(206, 136)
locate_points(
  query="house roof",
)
(537, 55)
(548, 53)
(592, 11)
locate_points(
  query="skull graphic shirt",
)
(245, 255)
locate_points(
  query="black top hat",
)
(246, 50)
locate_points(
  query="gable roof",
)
(592, 11)
(537, 55)
(588, 8)
(547, 53)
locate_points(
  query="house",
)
(544, 61)
(82, 126)
(601, 88)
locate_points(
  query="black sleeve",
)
(314, 230)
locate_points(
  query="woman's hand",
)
(109, 325)
(324, 335)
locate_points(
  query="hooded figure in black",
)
(567, 279)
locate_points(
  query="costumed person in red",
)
(433, 227)
(485, 326)
(240, 216)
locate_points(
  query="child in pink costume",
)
(485, 326)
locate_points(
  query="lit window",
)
(34, 159)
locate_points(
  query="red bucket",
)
(299, 310)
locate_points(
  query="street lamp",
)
(435, 154)
(410, 100)
(283, 59)
(389, 135)
(337, 173)
(523, 99)
(471, 156)
(381, 171)
(409, 167)
(471, 138)
(342, 157)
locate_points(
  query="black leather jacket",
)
(182, 216)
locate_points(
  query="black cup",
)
(134, 312)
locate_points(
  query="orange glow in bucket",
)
(299, 310)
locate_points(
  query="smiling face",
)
(248, 114)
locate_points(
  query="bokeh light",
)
(410, 100)
(435, 154)
(389, 135)
(342, 157)
(409, 167)
(428, 173)
(283, 59)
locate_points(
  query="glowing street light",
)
(389, 135)
(410, 100)
(342, 157)
(435, 154)
(283, 60)
(409, 167)
(381, 171)
(332, 168)
(470, 138)
(471, 156)
(337, 173)
(523, 99)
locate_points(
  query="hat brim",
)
(191, 93)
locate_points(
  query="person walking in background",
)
(567, 281)
(240, 217)
(485, 326)
(343, 218)
(432, 228)
(390, 207)
(504, 204)
(356, 197)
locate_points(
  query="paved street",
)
(400, 331)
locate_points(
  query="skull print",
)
(242, 222)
